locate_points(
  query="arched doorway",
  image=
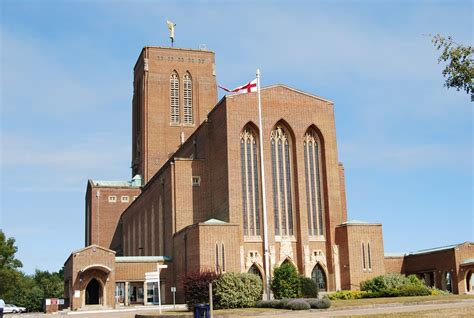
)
(255, 270)
(319, 276)
(93, 292)
(470, 282)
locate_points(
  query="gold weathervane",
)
(171, 26)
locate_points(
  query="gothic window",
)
(282, 184)
(174, 98)
(188, 99)
(250, 190)
(312, 164)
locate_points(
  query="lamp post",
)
(158, 269)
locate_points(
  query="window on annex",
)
(369, 257)
(313, 168)
(174, 98)
(188, 99)
(250, 179)
(282, 181)
(363, 256)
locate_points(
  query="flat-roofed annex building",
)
(195, 199)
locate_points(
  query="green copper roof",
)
(467, 261)
(141, 259)
(394, 254)
(214, 221)
(358, 222)
(103, 183)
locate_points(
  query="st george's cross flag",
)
(247, 88)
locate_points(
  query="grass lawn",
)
(336, 304)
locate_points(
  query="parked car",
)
(9, 308)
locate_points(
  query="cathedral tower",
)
(174, 90)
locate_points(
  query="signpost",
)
(154, 277)
(173, 290)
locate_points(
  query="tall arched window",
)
(188, 99)
(282, 184)
(250, 175)
(312, 164)
(174, 98)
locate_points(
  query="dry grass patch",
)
(336, 304)
(462, 312)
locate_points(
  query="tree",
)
(285, 282)
(7, 253)
(459, 71)
(10, 277)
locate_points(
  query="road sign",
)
(173, 289)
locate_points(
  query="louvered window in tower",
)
(174, 98)
(188, 99)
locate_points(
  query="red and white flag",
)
(247, 88)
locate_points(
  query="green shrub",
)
(285, 282)
(297, 304)
(373, 285)
(395, 280)
(274, 303)
(196, 287)
(281, 304)
(308, 288)
(233, 290)
(389, 283)
(436, 292)
(319, 303)
(413, 290)
(347, 294)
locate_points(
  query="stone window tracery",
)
(312, 163)
(174, 98)
(282, 181)
(250, 182)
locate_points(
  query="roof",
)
(214, 222)
(141, 259)
(394, 255)
(105, 183)
(435, 249)
(287, 87)
(467, 261)
(358, 222)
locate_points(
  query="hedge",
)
(196, 287)
(295, 304)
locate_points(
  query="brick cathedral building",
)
(195, 199)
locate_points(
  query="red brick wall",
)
(394, 264)
(103, 216)
(350, 239)
(160, 139)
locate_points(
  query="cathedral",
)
(195, 198)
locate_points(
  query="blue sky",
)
(66, 88)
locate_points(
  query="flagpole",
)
(262, 168)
